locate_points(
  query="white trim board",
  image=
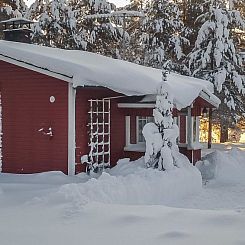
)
(71, 129)
(135, 105)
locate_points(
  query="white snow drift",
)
(132, 183)
(51, 208)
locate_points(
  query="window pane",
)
(142, 121)
(194, 129)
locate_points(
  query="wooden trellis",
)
(99, 132)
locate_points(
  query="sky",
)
(119, 3)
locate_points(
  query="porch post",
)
(71, 129)
(189, 128)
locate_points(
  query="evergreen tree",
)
(103, 35)
(215, 58)
(134, 14)
(190, 11)
(161, 35)
(56, 25)
(12, 8)
(161, 148)
(238, 8)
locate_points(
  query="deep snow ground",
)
(120, 208)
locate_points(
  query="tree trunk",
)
(223, 133)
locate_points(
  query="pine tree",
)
(215, 58)
(12, 8)
(56, 25)
(161, 148)
(161, 37)
(134, 14)
(103, 35)
(238, 8)
(190, 11)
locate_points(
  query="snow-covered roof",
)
(88, 69)
(18, 29)
(19, 20)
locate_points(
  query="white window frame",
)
(127, 130)
(192, 144)
(197, 118)
(139, 146)
(138, 118)
(176, 120)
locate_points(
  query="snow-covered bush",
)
(224, 167)
(161, 148)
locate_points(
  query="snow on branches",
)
(13, 9)
(161, 148)
(215, 57)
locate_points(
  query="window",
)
(140, 123)
(195, 128)
(193, 133)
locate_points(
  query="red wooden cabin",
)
(55, 102)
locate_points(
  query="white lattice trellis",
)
(99, 132)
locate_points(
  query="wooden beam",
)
(210, 128)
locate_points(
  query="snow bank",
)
(49, 178)
(131, 183)
(226, 167)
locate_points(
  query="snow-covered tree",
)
(103, 35)
(136, 5)
(161, 148)
(216, 59)
(190, 11)
(238, 8)
(56, 25)
(161, 37)
(12, 8)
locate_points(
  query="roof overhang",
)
(210, 98)
(88, 69)
(149, 101)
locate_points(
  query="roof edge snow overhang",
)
(204, 94)
(210, 98)
(35, 68)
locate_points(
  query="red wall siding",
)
(26, 109)
(182, 127)
(82, 120)
(193, 155)
(133, 155)
(197, 155)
